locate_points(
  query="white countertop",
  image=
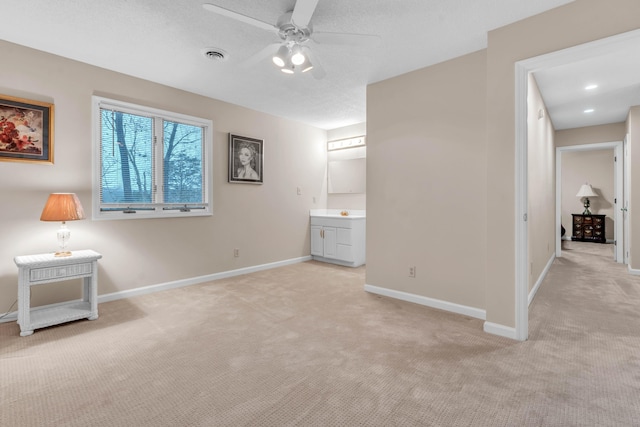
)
(336, 213)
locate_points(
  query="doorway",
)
(522, 70)
(618, 198)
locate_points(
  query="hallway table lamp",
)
(62, 207)
(586, 191)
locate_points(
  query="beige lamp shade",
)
(586, 191)
(62, 207)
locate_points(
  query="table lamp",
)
(586, 191)
(62, 207)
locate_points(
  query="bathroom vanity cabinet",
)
(338, 239)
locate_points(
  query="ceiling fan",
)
(293, 53)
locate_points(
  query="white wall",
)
(268, 223)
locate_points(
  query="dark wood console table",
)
(589, 228)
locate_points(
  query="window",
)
(149, 163)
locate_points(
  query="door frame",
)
(618, 232)
(625, 206)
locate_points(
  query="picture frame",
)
(26, 130)
(246, 160)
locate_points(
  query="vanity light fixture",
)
(358, 141)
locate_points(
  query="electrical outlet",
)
(412, 271)
(236, 252)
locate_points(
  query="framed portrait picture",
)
(246, 156)
(26, 130)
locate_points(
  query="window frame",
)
(159, 209)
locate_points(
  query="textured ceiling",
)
(163, 41)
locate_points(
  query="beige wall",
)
(590, 135)
(426, 181)
(633, 144)
(570, 25)
(347, 201)
(597, 168)
(268, 223)
(541, 184)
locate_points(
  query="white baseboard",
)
(429, 302)
(500, 330)
(13, 316)
(634, 271)
(535, 288)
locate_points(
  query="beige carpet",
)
(304, 345)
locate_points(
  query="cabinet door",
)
(329, 234)
(317, 243)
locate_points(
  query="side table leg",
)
(24, 303)
(90, 285)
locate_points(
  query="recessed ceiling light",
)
(589, 110)
(590, 87)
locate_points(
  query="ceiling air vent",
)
(215, 54)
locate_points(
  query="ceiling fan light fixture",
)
(287, 70)
(308, 66)
(280, 58)
(297, 57)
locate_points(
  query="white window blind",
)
(149, 162)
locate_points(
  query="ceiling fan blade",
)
(267, 51)
(345, 39)
(302, 12)
(239, 17)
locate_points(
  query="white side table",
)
(46, 268)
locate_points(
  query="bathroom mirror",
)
(347, 176)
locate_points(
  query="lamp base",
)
(65, 253)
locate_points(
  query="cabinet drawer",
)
(344, 236)
(344, 252)
(48, 273)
